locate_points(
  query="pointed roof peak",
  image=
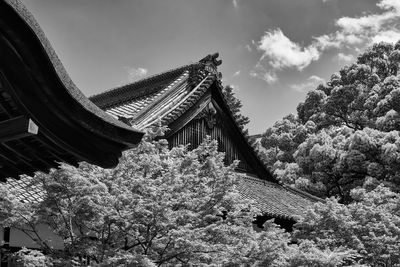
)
(212, 58)
(154, 83)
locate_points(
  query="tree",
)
(370, 226)
(173, 206)
(235, 106)
(158, 207)
(343, 130)
(360, 94)
(280, 142)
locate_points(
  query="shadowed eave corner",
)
(46, 113)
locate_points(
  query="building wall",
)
(20, 239)
(195, 132)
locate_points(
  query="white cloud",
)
(263, 74)
(237, 73)
(248, 47)
(270, 77)
(311, 83)
(390, 4)
(235, 3)
(280, 52)
(390, 36)
(135, 74)
(354, 33)
(365, 30)
(346, 58)
(325, 41)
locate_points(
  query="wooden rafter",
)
(17, 128)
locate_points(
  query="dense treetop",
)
(345, 131)
(158, 207)
(235, 106)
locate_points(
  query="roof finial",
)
(210, 63)
(212, 58)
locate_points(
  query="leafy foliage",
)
(360, 95)
(170, 205)
(345, 131)
(158, 207)
(31, 258)
(370, 226)
(235, 106)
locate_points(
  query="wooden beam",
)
(6, 245)
(17, 128)
(22, 157)
(38, 157)
(11, 165)
(58, 153)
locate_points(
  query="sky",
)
(273, 52)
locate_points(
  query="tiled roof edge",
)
(308, 195)
(193, 99)
(138, 118)
(190, 100)
(100, 98)
(256, 179)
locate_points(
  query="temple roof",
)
(181, 90)
(276, 200)
(164, 97)
(44, 117)
(270, 198)
(140, 105)
(52, 121)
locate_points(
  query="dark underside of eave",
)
(34, 86)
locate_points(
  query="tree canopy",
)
(158, 207)
(370, 226)
(346, 131)
(169, 205)
(235, 106)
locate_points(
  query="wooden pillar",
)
(5, 247)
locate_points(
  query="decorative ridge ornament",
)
(210, 63)
(209, 114)
(212, 58)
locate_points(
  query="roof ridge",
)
(145, 123)
(138, 87)
(256, 179)
(144, 80)
(209, 58)
(108, 98)
(168, 90)
(296, 190)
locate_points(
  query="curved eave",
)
(42, 91)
